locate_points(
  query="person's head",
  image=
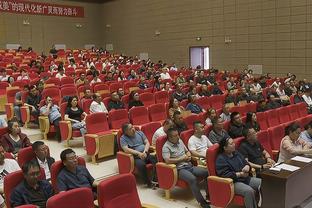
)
(128, 129)
(40, 149)
(227, 145)
(173, 103)
(26, 88)
(217, 124)
(293, 131)
(262, 103)
(177, 117)
(87, 93)
(243, 90)
(211, 113)
(167, 124)
(132, 72)
(49, 100)
(72, 101)
(308, 128)
(250, 134)
(231, 92)
(300, 93)
(40, 85)
(133, 96)
(10, 80)
(2, 156)
(69, 159)
(251, 117)
(191, 98)
(97, 97)
(204, 87)
(31, 172)
(226, 109)
(167, 86)
(236, 118)
(271, 97)
(95, 75)
(82, 76)
(198, 128)
(13, 127)
(173, 135)
(33, 90)
(121, 92)
(178, 87)
(115, 96)
(61, 69)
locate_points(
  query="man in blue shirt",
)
(307, 133)
(192, 106)
(31, 190)
(73, 175)
(135, 143)
(53, 112)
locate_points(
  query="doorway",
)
(199, 56)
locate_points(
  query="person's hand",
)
(142, 155)
(266, 166)
(270, 161)
(246, 169)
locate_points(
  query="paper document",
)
(275, 169)
(302, 159)
(288, 167)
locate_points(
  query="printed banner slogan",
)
(37, 8)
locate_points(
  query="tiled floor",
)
(183, 198)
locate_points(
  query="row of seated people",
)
(175, 151)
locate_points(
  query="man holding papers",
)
(292, 145)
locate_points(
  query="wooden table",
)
(285, 189)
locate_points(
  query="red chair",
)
(10, 182)
(147, 99)
(24, 155)
(78, 198)
(189, 120)
(157, 112)
(283, 114)
(66, 130)
(117, 117)
(9, 106)
(100, 139)
(216, 101)
(67, 80)
(53, 80)
(262, 120)
(69, 91)
(302, 109)
(263, 138)
(203, 102)
(219, 185)
(119, 191)
(293, 112)
(138, 115)
(167, 174)
(115, 86)
(126, 161)
(101, 88)
(252, 107)
(130, 86)
(86, 105)
(161, 97)
(276, 134)
(27, 206)
(272, 118)
(53, 92)
(56, 168)
(149, 129)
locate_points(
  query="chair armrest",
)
(125, 162)
(25, 114)
(219, 185)
(92, 144)
(148, 206)
(44, 124)
(9, 109)
(66, 130)
(167, 175)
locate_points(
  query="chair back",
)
(96, 122)
(159, 145)
(76, 198)
(118, 191)
(211, 156)
(10, 182)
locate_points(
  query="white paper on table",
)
(275, 169)
(302, 159)
(288, 167)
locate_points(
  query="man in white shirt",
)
(162, 131)
(61, 73)
(6, 166)
(97, 105)
(307, 97)
(42, 157)
(165, 74)
(3, 77)
(199, 142)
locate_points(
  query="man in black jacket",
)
(43, 158)
(236, 125)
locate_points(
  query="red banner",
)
(37, 8)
